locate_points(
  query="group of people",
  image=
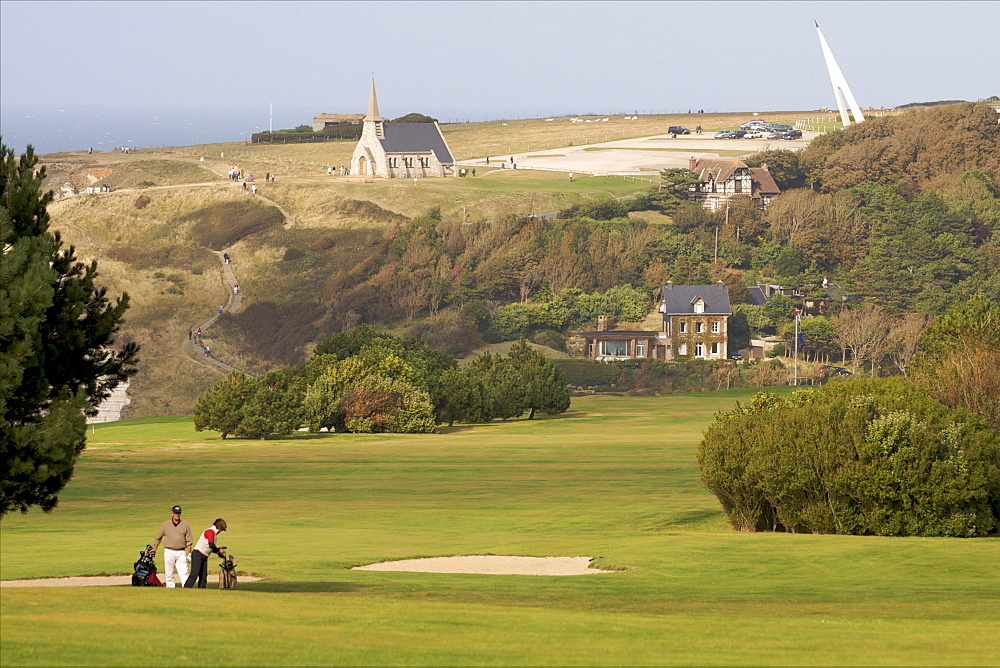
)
(182, 555)
(339, 171)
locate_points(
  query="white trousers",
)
(175, 559)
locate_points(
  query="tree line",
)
(362, 381)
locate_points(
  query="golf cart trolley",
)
(227, 574)
(144, 570)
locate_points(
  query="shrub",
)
(323, 244)
(867, 457)
(378, 404)
(777, 351)
(292, 253)
(142, 202)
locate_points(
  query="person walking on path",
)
(176, 536)
(203, 549)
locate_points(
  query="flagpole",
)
(795, 364)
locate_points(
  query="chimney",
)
(692, 163)
(602, 323)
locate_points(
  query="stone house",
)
(724, 180)
(695, 325)
(400, 150)
(321, 121)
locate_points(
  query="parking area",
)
(645, 155)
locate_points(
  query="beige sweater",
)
(175, 537)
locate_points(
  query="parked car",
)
(678, 130)
(753, 134)
(792, 134)
(775, 135)
(736, 134)
(724, 134)
(834, 370)
(754, 125)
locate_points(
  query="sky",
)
(490, 60)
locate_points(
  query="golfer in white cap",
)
(176, 536)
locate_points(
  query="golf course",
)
(614, 478)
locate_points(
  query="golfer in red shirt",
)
(202, 550)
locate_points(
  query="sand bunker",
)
(99, 581)
(490, 565)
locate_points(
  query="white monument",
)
(845, 98)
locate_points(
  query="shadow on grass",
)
(539, 417)
(305, 587)
(706, 519)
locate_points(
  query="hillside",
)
(458, 263)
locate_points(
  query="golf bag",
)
(144, 570)
(227, 576)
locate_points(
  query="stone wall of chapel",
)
(370, 147)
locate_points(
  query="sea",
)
(52, 129)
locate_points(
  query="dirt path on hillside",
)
(197, 349)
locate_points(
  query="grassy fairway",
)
(615, 478)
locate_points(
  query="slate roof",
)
(415, 138)
(757, 297)
(680, 299)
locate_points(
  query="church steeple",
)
(373, 114)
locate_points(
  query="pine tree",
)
(542, 385)
(57, 355)
(221, 407)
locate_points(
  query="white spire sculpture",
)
(845, 98)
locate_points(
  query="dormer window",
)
(699, 306)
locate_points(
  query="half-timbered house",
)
(723, 180)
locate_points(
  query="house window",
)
(699, 350)
(698, 326)
(699, 306)
(715, 327)
(682, 349)
(684, 328)
(615, 348)
(715, 348)
(640, 348)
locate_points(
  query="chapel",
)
(400, 150)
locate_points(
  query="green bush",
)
(867, 457)
(777, 351)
